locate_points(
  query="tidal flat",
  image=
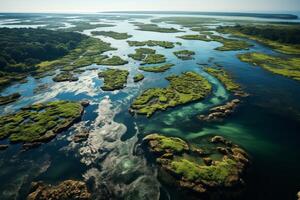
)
(148, 106)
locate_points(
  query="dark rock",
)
(27, 146)
(3, 146)
(85, 103)
(66, 190)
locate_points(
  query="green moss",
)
(155, 28)
(162, 143)
(115, 60)
(9, 98)
(138, 77)
(224, 77)
(217, 173)
(39, 122)
(152, 43)
(289, 67)
(183, 89)
(184, 54)
(114, 79)
(157, 69)
(112, 34)
(65, 76)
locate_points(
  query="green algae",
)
(39, 122)
(289, 67)
(184, 88)
(114, 79)
(157, 69)
(112, 34)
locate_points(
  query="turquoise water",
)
(266, 124)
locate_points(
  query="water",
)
(266, 124)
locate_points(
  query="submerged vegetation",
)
(157, 69)
(184, 88)
(114, 79)
(289, 67)
(184, 54)
(39, 122)
(112, 34)
(152, 43)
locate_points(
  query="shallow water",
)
(266, 124)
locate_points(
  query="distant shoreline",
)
(231, 14)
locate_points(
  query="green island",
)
(138, 78)
(157, 69)
(228, 44)
(155, 28)
(151, 43)
(114, 79)
(114, 60)
(154, 59)
(81, 26)
(141, 53)
(184, 54)
(65, 76)
(39, 122)
(191, 22)
(281, 38)
(289, 67)
(224, 77)
(112, 34)
(9, 98)
(184, 88)
(213, 165)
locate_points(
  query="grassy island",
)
(184, 54)
(112, 34)
(289, 67)
(40, 122)
(9, 98)
(216, 164)
(157, 69)
(80, 26)
(65, 76)
(138, 77)
(224, 77)
(141, 53)
(114, 79)
(282, 38)
(228, 44)
(184, 88)
(114, 60)
(152, 43)
(155, 28)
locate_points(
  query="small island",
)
(39, 122)
(138, 78)
(157, 69)
(113, 61)
(155, 28)
(141, 53)
(152, 43)
(112, 34)
(213, 165)
(65, 76)
(114, 79)
(184, 88)
(184, 54)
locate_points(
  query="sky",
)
(158, 5)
